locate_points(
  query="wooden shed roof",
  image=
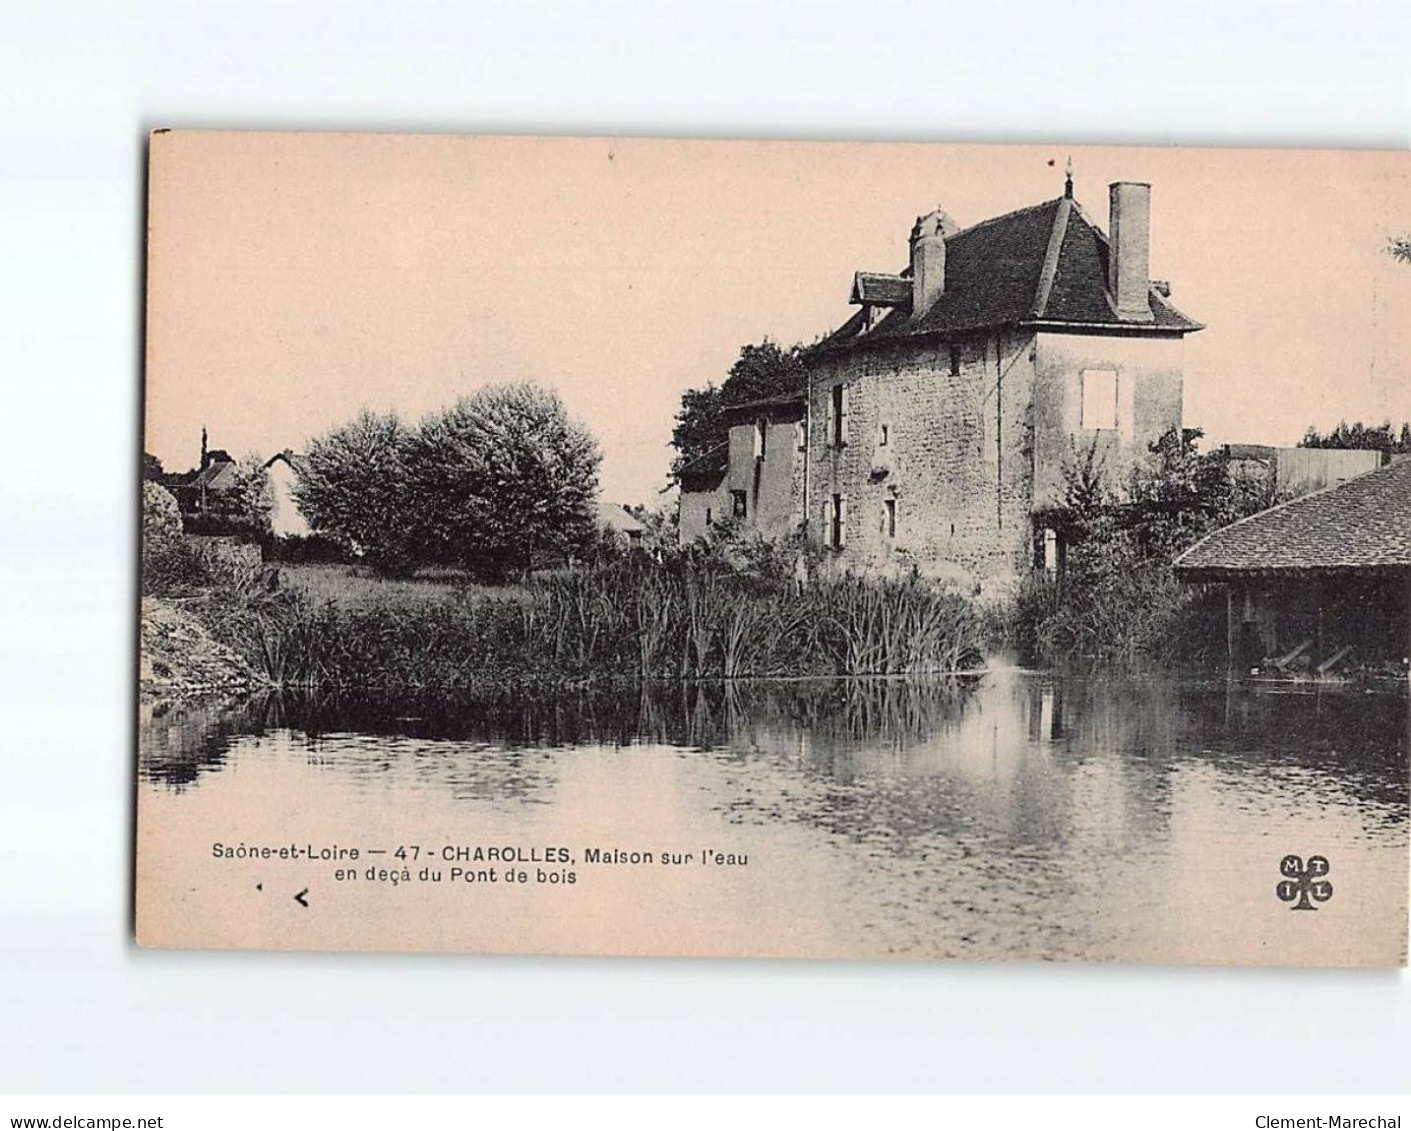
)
(1360, 526)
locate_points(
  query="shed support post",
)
(1234, 615)
(1320, 643)
(1406, 612)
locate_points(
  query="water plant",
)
(630, 619)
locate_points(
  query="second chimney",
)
(928, 260)
(1128, 270)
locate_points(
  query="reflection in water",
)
(1010, 814)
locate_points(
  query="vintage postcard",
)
(655, 547)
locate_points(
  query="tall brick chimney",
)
(928, 260)
(1129, 242)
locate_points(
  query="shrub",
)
(297, 549)
(170, 564)
(1118, 598)
(161, 518)
(177, 568)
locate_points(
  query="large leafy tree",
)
(500, 477)
(761, 371)
(352, 486)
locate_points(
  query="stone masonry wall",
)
(957, 462)
(1149, 403)
(773, 486)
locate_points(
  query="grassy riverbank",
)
(359, 586)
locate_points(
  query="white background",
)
(82, 1009)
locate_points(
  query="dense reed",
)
(631, 619)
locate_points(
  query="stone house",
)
(940, 416)
(755, 480)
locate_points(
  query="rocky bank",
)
(180, 659)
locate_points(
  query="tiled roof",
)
(216, 475)
(1363, 524)
(881, 290)
(1042, 265)
(787, 405)
(615, 517)
(294, 459)
(706, 471)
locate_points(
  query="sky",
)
(294, 278)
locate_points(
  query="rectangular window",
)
(738, 500)
(708, 518)
(801, 435)
(839, 414)
(837, 534)
(890, 517)
(761, 436)
(884, 433)
(1099, 399)
(955, 359)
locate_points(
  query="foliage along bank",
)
(1117, 598)
(691, 616)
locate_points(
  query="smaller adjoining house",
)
(620, 523)
(1289, 472)
(1318, 582)
(704, 497)
(285, 519)
(755, 479)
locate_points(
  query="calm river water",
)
(1013, 815)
